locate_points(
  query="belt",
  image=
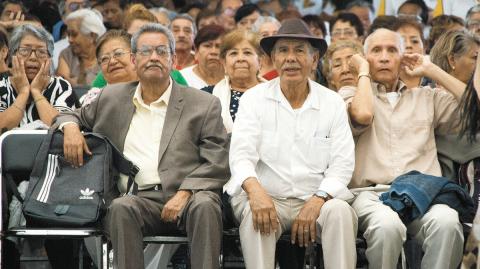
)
(157, 187)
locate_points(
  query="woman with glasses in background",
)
(346, 26)
(135, 17)
(31, 93)
(113, 54)
(266, 26)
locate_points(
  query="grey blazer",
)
(193, 153)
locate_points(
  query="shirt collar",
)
(401, 87)
(138, 100)
(274, 92)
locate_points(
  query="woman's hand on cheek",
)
(19, 78)
(41, 80)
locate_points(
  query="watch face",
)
(322, 194)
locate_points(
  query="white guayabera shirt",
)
(293, 153)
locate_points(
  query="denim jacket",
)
(412, 194)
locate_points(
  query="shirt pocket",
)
(319, 153)
(421, 135)
(269, 147)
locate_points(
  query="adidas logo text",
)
(87, 194)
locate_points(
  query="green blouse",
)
(100, 82)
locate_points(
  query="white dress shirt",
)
(293, 153)
(142, 142)
(192, 79)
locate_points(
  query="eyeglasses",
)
(146, 51)
(117, 54)
(27, 51)
(345, 32)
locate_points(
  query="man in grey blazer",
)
(176, 136)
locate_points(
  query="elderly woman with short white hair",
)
(78, 63)
(266, 26)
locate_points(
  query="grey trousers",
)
(130, 218)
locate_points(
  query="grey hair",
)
(154, 28)
(91, 21)
(187, 17)
(471, 11)
(29, 29)
(401, 41)
(264, 19)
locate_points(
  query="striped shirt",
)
(58, 92)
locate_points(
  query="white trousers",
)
(336, 230)
(439, 232)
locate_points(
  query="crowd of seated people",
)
(296, 117)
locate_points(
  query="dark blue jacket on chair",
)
(412, 194)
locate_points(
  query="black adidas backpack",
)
(62, 196)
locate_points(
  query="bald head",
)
(381, 33)
(384, 50)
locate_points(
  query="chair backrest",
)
(80, 90)
(18, 150)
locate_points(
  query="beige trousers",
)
(438, 231)
(336, 229)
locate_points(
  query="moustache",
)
(155, 65)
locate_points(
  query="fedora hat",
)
(296, 29)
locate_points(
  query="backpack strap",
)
(126, 167)
(42, 154)
(12, 187)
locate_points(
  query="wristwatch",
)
(322, 194)
(364, 74)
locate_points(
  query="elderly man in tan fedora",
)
(292, 157)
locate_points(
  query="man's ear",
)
(133, 59)
(316, 58)
(94, 38)
(174, 60)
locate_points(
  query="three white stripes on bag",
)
(52, 168)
